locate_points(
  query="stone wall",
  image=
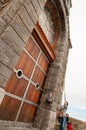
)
(54, 83)
(17, 20)
(77, 125)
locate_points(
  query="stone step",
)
(9, 125)
(16, 128)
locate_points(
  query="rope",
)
(64, 92)
(64, 96)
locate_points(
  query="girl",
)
(69, 126)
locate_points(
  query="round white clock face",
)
(47, 25)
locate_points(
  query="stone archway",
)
(46, 114)
(18, 21)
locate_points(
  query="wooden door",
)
(24, 88)
(25, 84)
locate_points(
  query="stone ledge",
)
(10, 125)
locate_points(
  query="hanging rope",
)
(64, 96)
(64, 92)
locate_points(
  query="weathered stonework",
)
(3, 4)
(17, 20)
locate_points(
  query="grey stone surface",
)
(7, 55)
(13, 8)
(5, 73)
(5, 16)
(42, 3)
(36, 6)
(2, 25)
(9, 125)
(16, 24)
(31, 11)
(20, 28)
(26, 19)
(13, 40)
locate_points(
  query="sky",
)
(75, 82)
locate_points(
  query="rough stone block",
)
(30, 9)
(13, 8)
(20, 28)
(7, 55)
(41, 3)
(5, 73)
(26, 18)
(6, 17)
(4, 70)
(2, 25)
(21, 1)
(13, 40)
(37, 7)
(3, 80)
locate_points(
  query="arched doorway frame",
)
(61, 28)
(51, 83)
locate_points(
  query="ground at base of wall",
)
(9, 125)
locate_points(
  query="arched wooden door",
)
(25, 85)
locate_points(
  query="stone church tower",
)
(34, 47)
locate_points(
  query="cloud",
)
(77, 113)
(77, 100)
(75, 82)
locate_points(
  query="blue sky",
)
(75, 83)
(79, 113)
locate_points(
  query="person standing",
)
(62, 116)
(67, 117)
(69, 126)
(60, 119)
(64, 109)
